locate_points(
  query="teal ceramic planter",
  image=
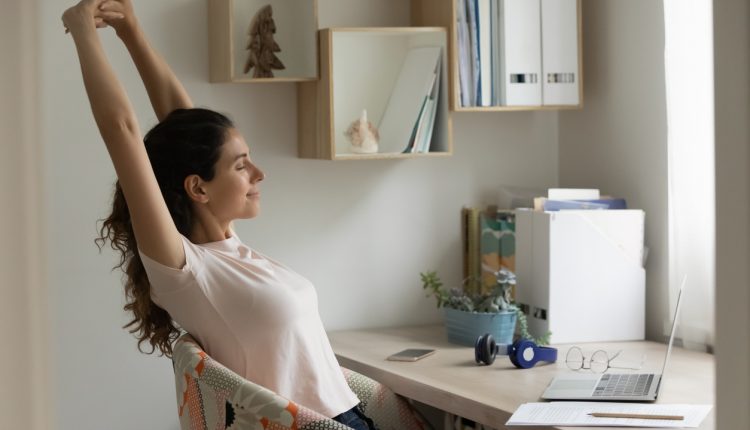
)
(464, 327)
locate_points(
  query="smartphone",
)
(411, 354)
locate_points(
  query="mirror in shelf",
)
(398, 76)
(283, 40)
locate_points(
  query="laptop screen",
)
(674, 324)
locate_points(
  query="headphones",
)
(523, 353)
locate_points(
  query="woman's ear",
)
(195, 190)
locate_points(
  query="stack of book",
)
(409, 118)
(517, 52)
(489, 244)
(577, 198)
(479, 41)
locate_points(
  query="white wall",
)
(618, 141)
(732, 102)
(361, 231)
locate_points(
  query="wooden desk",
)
(450, 380)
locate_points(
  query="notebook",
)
(614, 386)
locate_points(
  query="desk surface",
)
(451, 381)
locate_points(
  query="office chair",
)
(212, 397)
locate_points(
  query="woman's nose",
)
(258, 175)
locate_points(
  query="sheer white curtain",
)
(690, 138)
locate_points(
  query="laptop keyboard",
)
(623, 385)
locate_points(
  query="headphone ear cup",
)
(520, 347)
(512, 354)
(484, 349)
(478, 350)
(491, 348)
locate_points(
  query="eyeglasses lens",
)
(599, 362)
(574, 358)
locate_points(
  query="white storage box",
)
(580, 274)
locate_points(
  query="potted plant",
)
(471, 312)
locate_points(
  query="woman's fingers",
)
(103, 12)
(112, 6)
(90, 4)
(107, 16)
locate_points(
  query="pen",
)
(641, 416)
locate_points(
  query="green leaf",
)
(434, 287)
(523, 328)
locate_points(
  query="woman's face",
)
(233, 192)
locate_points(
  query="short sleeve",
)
(165, 279)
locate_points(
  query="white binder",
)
(522, 58)
(560, 78)
(580, 274)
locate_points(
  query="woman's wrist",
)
(129, 33)
(77, 21)
(82, 30)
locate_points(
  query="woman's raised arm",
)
(164, 89)
(154, 229)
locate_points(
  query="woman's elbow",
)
(120, 128)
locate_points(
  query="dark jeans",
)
(355, 419)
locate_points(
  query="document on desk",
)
(577, 414)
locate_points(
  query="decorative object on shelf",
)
(470, 313)
(262, 46)
(363, 135)
(238, 30)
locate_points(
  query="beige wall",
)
(732, 86)
(618, 141)
(14, 395)
(23, 316)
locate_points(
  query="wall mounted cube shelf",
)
(537, 39)
(382, 71)
(296, 25)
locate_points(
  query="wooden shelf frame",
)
(315, 103)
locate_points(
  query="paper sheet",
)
(576, 414)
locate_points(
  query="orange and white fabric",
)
(212, 397)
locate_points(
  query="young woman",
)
(178, 191)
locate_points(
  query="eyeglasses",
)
(599, 362)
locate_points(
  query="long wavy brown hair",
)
(186, 142)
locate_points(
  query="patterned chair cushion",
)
(212, 397)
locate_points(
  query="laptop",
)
(626, 387)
